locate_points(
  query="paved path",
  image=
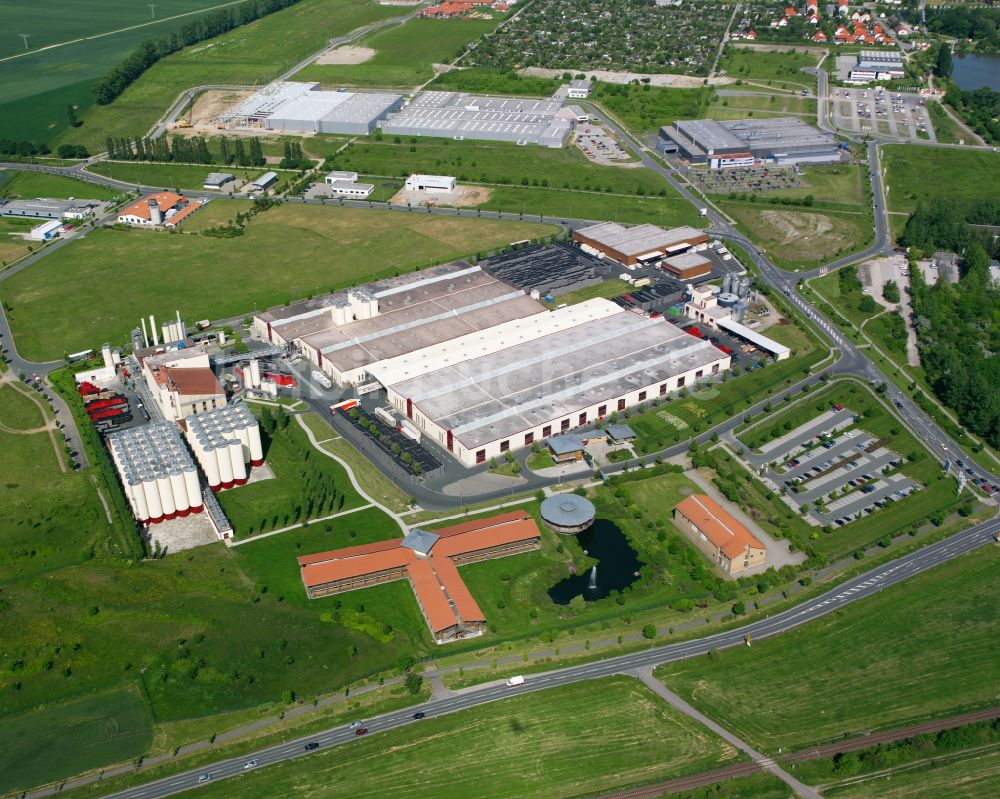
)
(766, 763)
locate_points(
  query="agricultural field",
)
(778, 70)
(323, 248)
(28, 185)
(66, 739)
(920, 650)
(254, 53)
(583, 34)
(403, 55)
(648, 108)
(36, 85)
(801, 239)
(538, 744)
(917, 174)
(493, 162)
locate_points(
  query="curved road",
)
(864, 585)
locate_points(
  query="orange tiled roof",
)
(474, 540)
(184, 213)
(447, 573)
(195, 380)
(341, 569)
(164, 199)
(430, 594)
(718, 526)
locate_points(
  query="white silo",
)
(236, 458)
(153, 500)
(179, 491)
(210, 463)
(137, 498)
(166, 495)
(155, 215)
(256, 450)
(221, 452)
(193, 487)
(252, 374)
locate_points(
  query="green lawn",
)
(647, 108)
(759, 105)
(403, 54)
(17, 409)
(493, 162)
(540, 460)
(946, 129)
(61, 740)
(254, 53)
(38, 184)
(916, 173)
(173, 176)
(846, 298)
(539, 745)
(306, 485)
(918, 650)
(843, 183)
(670, 211)
(606, 288)
(781, 70)
(287, 252)
(794, 238)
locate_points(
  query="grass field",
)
(27, 185)
(12, 242)
(780, 70)
(306, 485)
(647, 108)
(67, 739)
(317, 248)
(946, 129)
(606, 288)
(403, 54)
(254, 53)
(540, 745)
(759, 105)
(494, 162)
(37, 85)
(794, 238)
(843, 183)
(915, 651)
(670, 211)
(172, 176)
(846, 302)
(917, 173)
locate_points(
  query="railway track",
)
(658, 789)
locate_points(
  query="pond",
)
(975, 71)
(617, 567)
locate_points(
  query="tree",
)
(890, 291)
(74, 121)
(944, 64)
(649, 631)
(739, 609)
(404, 663)
(413, 682)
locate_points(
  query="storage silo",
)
(152, 493)
(727, 283)
(179, 491)
(166, 495)
(236, 458)
(193, 487)
(221, 452)
(137, 498)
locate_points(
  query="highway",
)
(864, 585)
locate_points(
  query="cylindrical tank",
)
(728, 300)
(137, 498)
(256, 450)
(727, 283)
(179, 491)
(209, 463)
(236, 458)
(153, 500)
(166, 495)
(225, 462)
(744, 287)
(193, 489)
(154, 212)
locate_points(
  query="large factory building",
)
(639, 245)
(745, 142)
(487, 393)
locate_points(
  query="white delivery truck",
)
(515, 681)
(322, 379)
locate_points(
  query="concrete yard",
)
(898, 116)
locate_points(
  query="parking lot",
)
(877, 110)
(746, 179)
(831, 460)
(600, 146)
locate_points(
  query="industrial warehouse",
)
(295, 107)
(456, 115)
(745, 142)
(429, 560)
(642, 244)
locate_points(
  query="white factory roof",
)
(687, 260)
(640, 239)
(264, 101)
(765, 343)
(490, 340)
(340, 175)
(349, 185)
(545, 379)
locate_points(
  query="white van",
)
(515, 681)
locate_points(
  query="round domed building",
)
(568, 513)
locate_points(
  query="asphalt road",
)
(864, 585)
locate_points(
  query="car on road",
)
(204, 778)
(354, 725)
(419, 714)
(311, 745)
(361, 731)
(250, 764)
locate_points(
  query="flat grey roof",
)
(709, 134)
(754, 135)
(347, 185)
(687, 260)
(563, 445)
(620, 432)
(49, 206)
(639, 239)
(544, 380)
(219, 177)
(568, 510)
